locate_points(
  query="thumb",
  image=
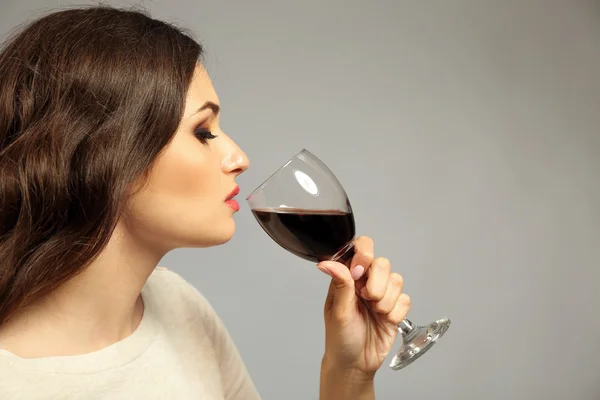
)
(341, 296)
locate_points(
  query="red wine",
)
(314, 235)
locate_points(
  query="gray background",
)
(467, 136)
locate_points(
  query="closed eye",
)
(204, 135)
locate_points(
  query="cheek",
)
(184, 188)
(182, 203)
(185, 173)
(183, 176)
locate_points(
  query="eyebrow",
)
(209, 105)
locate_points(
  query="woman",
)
(111, 155)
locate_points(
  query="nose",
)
(235, 161)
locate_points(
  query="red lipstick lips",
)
(230, 201)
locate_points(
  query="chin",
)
(215, 237)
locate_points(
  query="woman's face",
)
(184, 203)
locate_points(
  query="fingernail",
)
(363, 292)
(324, 270)
(358, 272)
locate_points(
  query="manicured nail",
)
(358, 272)
(324, 270)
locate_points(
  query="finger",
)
(341, 296)
(364, 249)
(400, 310)
(377, 279)
(392, 293)
(388, 302)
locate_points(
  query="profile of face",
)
(184, 201)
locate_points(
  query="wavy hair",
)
(89, 97)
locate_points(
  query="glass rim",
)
(264, 183)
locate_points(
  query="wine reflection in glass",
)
(304, 208)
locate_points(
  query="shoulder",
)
(176, 303)
(164, 276)
(164, 279)
(195, 328)
(167, 289)
(183, 311)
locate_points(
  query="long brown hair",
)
(89, 97)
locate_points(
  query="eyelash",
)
(204, 135)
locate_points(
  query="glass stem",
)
(406, 327)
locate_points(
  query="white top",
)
(180, 350)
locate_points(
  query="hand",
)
(363, 307)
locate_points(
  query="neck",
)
(98, 307)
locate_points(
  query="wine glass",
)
(304, 208)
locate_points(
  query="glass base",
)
(416, 342)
